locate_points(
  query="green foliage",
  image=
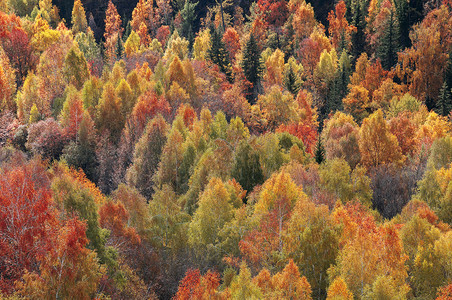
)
(252, 66)
(147, 156)
(246, 168)
(76, 68)
(218, 53)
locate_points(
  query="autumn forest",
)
(227, 149)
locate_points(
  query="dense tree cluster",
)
(236, 151)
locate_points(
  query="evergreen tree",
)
(319, 152)
(119, 47)
(444, 104)
(358, 37)
(389, 45)
(448, 72)
(291, 81)
(252, 67)
(402, 19)
(218, 53)
(188, 14)
(127, 32)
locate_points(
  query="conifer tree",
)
(218, 53)
(252, 67)
(291, 80)
(444, 103)
(319, 152)
(188, 14)
(389, 44)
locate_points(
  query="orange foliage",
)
(339, 27)
(114, 217)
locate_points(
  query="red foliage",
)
(188, 114)
(231, 40)
(445, 293)
(306, 133)
(115, 218)
(17, 48)
(276, 12)
(149, 104)
(163, 34)
(189, 286)
(26, 215)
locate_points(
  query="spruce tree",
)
(319, 152)
(218, 53)
(252, 67)
(291, 81)
(188, 14)
(444, 104)
(389, 45)
(358, 37)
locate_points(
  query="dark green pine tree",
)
(358, 37)
(448, 72)
(444, 103)
(188, 14)
(319, 151)
(252, 67)
(218, 53)
(389, 45)
(127, 32)
(291, 81)
(403, 21)
(119, 48)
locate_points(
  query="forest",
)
(226, 149)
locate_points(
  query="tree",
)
(113, 31)
(292, 74)
(387, 37)
(339, 30)
(422, 66)
(19, 51)
(76, 68)
(188, 14)
(303, 19)
(252, 67)
(231, 42)
(26, 214)
(81, 153)
(218, 53)
(376, 144)
(216, 207)
(339, 290)
(242, 286)
(7, 83)
(357, 102)
(68, 270)
(290, 285)
(46, 138)
(278, 108)
(246, 168)
(72, 113)
(444, 103)
(108, 116)
(312, 241)
(79, 22)
(147, 156)
(141, 14)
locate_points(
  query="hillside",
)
(225, 150)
